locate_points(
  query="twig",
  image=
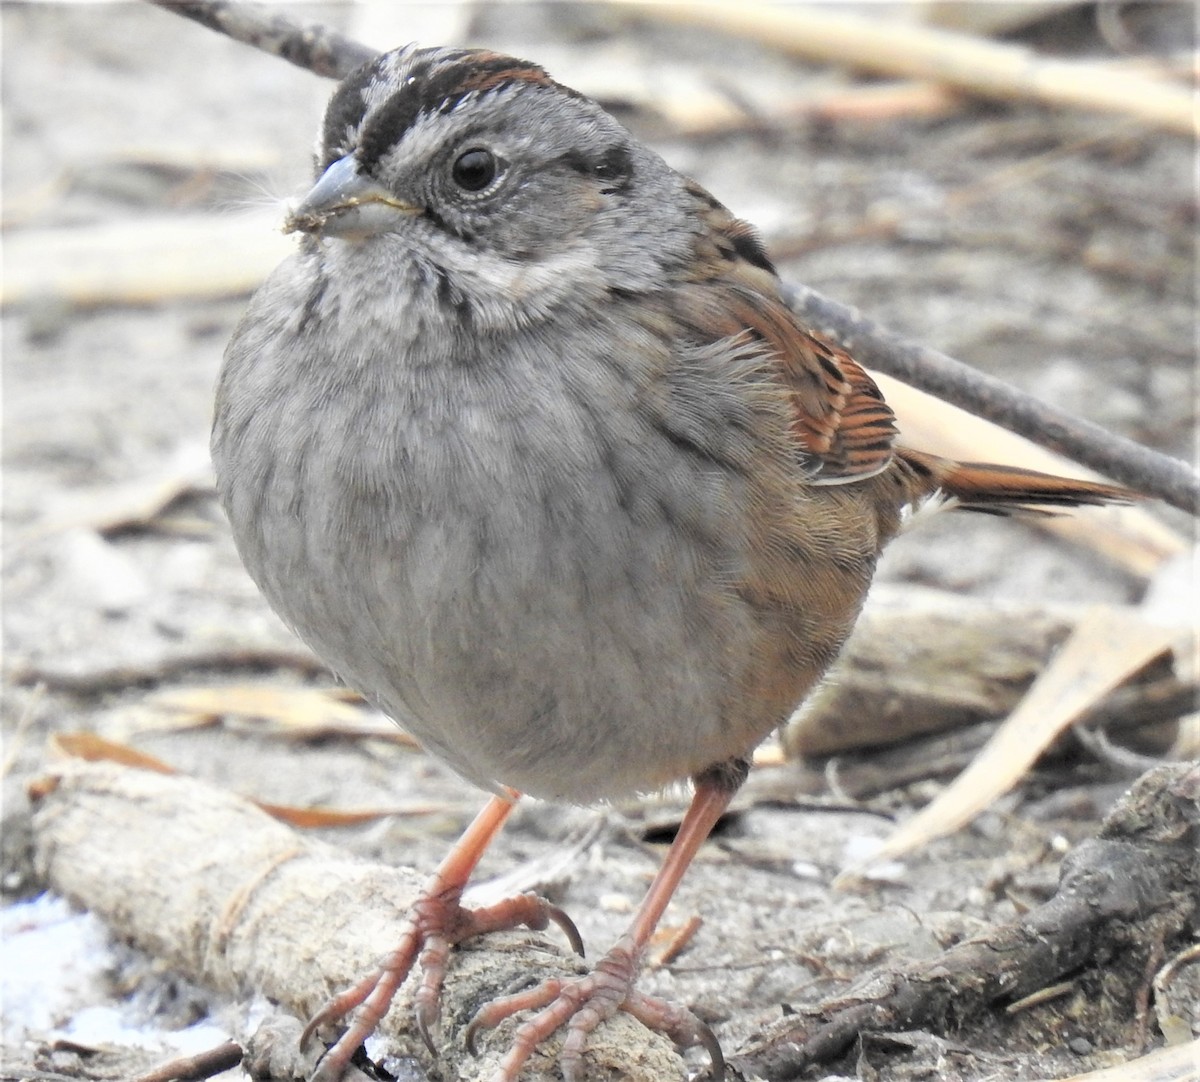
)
(988, 69)
(678, 942)
(160, 670)
(203, 1065)
(1168, 1015)
(1142, 469)
(1042, 995)
(1121, 760)
(1135, 884)
(267, 911)
(311, 46)
(16, 740)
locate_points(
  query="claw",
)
(492, 1014)
(480, 1021)
(426, 1026)
(469, 1035)
(435, 923)
(559, 917)
(681, 1025)
(706, 1037)
(339, 1005)
(581, 1004)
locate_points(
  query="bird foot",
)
(435, 924)
(581, 1004)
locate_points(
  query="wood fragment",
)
(203, 1065)
(921, 662)
(108, 678)
(852, 776)
(1001, 71)
(1178, 1064)
(240, 903)
(146, 261)
(1135, 884)
(926, 661)
(302, 713)
(1105, 648)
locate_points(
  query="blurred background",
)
(1040, 236)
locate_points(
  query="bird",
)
(525, 443)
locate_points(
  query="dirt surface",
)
(1055, 250)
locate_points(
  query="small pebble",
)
(615, 903)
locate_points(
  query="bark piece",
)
(926, 661)
(1122, 898)
(919, 663)
(1003, 71)
(1107, 647)
(240, 903)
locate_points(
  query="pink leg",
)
(436, 922)
(583, 1003)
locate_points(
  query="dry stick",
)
(222, 893)
(311, 46)
(1147, 471)
(1141, 468)
(1120, 896)
(214, 1061)
(163, 669)
(987, 69)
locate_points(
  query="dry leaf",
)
(135, 503)
(95, 749)
(1128, 536)
(143, 261)
(1105, 649)
(1180, 1063)
(296, 713)
(317, 817)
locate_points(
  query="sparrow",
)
(524, 442)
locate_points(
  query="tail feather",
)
(1002, 490)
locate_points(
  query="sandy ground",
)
(1055, 250)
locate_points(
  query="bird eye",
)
(475, 169)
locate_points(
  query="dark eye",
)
(475, 169)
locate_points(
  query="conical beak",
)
(344, 203)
